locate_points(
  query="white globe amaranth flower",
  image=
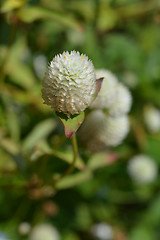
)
(100, 131)
(108, 92)
(70, 83)
(91, 130)
(142, 169)
(152, 118)
(116, 130)
(44, 232)
(122, 103)
(102, 231)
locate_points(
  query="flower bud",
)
(142, 169)
(122, 103)
(107, 94)
(70, 83)
(100, 131)
(44, 232)
(152, 119)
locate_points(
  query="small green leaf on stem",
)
(101, 159)
(73, 180)
(71, 124)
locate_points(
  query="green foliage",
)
(122, 36)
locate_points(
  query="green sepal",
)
(71, 124)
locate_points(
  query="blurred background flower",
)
(108, 92)
(102, 231)
(44, 231)
(142, 169)
(152, 118)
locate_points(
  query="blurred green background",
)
(122, 36)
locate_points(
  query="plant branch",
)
(75, 154)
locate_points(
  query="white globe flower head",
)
(102, 231)
(44, 232)
(108, 92)
(91, 130)
(142, 169)
(70, 83)
(116, 130)
(122, 103)
(100, 131)
(152, 118)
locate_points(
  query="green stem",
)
(75, 154)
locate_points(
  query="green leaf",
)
(71, 124)
(13, 149)
(9, 146)
(151, 146)
(31, 14)
(40, 131)
(101, 159)
(6, 163)
(10, 5)
(19, 72)
(141, 232)
(13, 124)
(152, 215)
(66, 156)
(73, 180)
(107, 18)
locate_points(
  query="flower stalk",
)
(75, 155)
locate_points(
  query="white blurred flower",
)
(116, 130)
(100, 131)
(142, 169)
(152, 118)
(44, 232)
(91, 130)
(70, 83)
(40, 65)
(122, 103)
(102, 231)
(108, 92)
(24, 228)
